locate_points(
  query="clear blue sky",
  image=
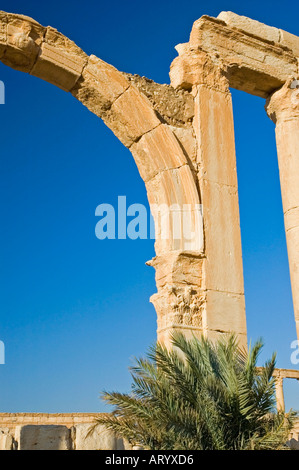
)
(74, 309)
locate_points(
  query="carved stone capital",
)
(194, 67)
(283, 104)
(180, 299)
(179, 306)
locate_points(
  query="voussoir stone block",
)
(131, 116)
(20, 40)
(175, 206)
(156, 151)
(60, 61)
(43, 437)
(100, 85)
(98, 438)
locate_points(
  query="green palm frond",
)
(200, 395)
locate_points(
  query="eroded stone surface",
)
(99, 86)
(251, 62)
(180, 300)
(157, 151)
(290, 40)
(256, 28)
(176, 107)
(6, 439)
(131, 116)
(88, 437)
(20, 40)
(49, 437)
(60, 61)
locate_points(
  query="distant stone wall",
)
(11, 420)
(57, 431)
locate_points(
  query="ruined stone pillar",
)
(283, 108)
(223, 269)
(217, 179)
(279, 394)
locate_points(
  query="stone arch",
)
(158, 132)
(27, 46)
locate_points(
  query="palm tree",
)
(200, 395)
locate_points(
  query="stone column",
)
(283, 108)
(217, 179)
(223, 269)
(279, 393)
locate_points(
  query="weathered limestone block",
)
(283, 105)
(176, 209)
(60, 61)
(223, 249)
(224, 315)
(100, 85)
(187, 140)
(99, 438)
(216, 145)
(20, 40)
(265, 32)
(157, 151)
(252, 63)
(250, 26)
(47, 437)
(106, 92)
(6, 439)
(179, 269)
(193, 67)
(290, 40)
(3, 32)
(131, 116)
